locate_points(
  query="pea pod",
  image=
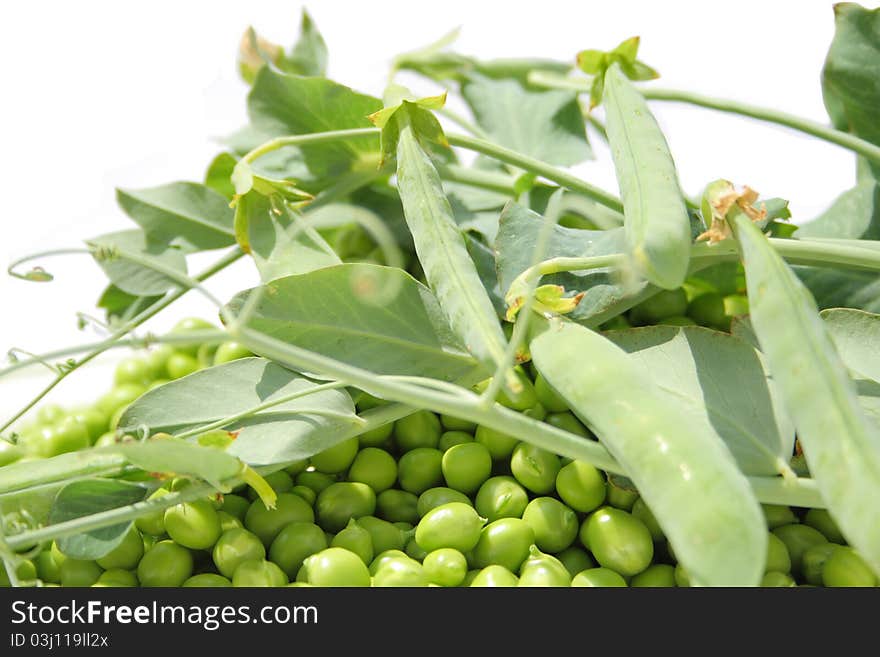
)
(441, 250)
(656, 221)
(689, 479)
(840, 444)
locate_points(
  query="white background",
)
(104, 94)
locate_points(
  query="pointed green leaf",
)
(723, 386)
(546, 125)
(190, 215)
(218, 175)
(687, 476)
(118, 304)
(309, 54)
(592, 62)
(841, 446)
(856, 335)
(627, 50)
(87, 497)
(281, 104)
(376, 318)
(276, 434)
(130, 277)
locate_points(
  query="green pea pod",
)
(841, 446)
(689, 479)
(655, 217)
(442, 252)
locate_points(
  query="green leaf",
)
(851, 74)
(484, 260)
(309, 54)
(218, 175)
(281, 104)
(546, 125)
(118, 304)
(171, 457)
(514, 245)
(191, 216)
(841, 445)
(281, 242)
(376, 318)
(130, 277)
(87, 497)
(722, 385)
(686, 475)
(856, 335)
(419, 116)
(285, 432)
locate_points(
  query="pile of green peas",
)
(433, 500)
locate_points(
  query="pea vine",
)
(390, 271)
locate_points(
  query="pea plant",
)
(397, 280)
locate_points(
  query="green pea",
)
(336, 459)
(50, 414)
(235, 505)
(457, 424)
(420, 469)
(655, 576)
(797, 539)
(465, 467)
(618, 540)
(421, 429)
(453, 525)
(296, 467)
(567, 422)
(376, 437)
(116, 577)
(554, 524)
(504, 542)
(708, 310)
(26, 572)
(494, 576)
(620, 493)
(519, 400)
(437, 496)
(118, 398)
(9, 453)
(450, 439)
(306, 493)
(575, 559)
(682, 578)
(95, 421)
(374, 467)
(230, 351)
(603, 577)
(500, 445)
(446, 567)
(267, 523)
(207, 580)
(47, 569)
(193, 524)
(234, 547)
(777, 556)
(501, 497)
(677, 320)
(342, 501)
(355, 539)
(385, 535)
(401, 573)
(165, 564)
(535, 468)
(294, 544)
(384, 557)
(126, 555)
(844, 567)
(666, 303)
(813, 562)
(548, 397)
(736, 305)
(315, 480)
(822, 521)
(581, 486)
(188, 325)
(541, 569)
(774, 579)
(181, 365)
(66, 436)
(641, 511)
(395, 505)
(258, 572)
(778, 515)
(153, 523)
(336, 566)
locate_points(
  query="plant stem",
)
(463, 122)
(42, 254)
(528, 163)
(803, 252)
(132, 324)
(844, 139)
(490, 180)
(311, 138)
